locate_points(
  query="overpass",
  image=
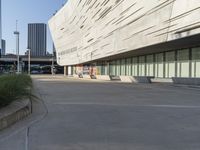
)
(10, 61)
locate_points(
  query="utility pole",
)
(52, 65)
(29, 61)
(17, 46)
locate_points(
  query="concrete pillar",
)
(65, 70)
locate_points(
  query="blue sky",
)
(26, 11)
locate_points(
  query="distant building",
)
(37, 39)
(3, 47)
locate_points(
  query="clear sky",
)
(26, 11)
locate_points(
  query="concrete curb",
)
(14, 112)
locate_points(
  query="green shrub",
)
(14, 87)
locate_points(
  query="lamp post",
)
(52, 65)
(17, 47)
(29, 60)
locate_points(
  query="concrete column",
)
(65, 70)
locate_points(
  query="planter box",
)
(14, 112)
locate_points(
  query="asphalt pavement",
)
(74, 114)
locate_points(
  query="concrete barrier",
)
(186, 81)
(14, 112)
(142, 79)
(103, 77)
(128, 79)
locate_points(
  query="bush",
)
(14, 87)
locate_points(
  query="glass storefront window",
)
(170, 64)
(159, 65)
(196, 62)
(118, 68)
(149, 65)
(183, 64)
(135, 66)
(113, 68)
(128, 67)
(142, 66)
(123, 67)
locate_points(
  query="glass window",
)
(98, 71)
(113, 68)
(149, 65)
(118, 68)
(135, 66)
(196, 62)
(106, 68)
(103, 69)
(159, 65)
(170, 64)
(183, 63)
(74, 69)
(142, 66)
(128, 67)
(123, 67)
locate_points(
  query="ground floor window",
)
(177, 63)
(195, 62)
(104, 69)
(170, 64)
(141, 66)
(128, 67)
(159, 65)
(123, 67)
(183, 63)
(150, 65)
(112, 68)
(118, 68)
(134, 66)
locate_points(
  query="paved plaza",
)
(75, 114)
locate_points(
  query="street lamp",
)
(29, 60)
(16, 33)
(52, 65)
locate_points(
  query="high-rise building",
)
(3, 47)
(37, 38)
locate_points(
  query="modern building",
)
(37, 38)
(3, 47)
(158, 38)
